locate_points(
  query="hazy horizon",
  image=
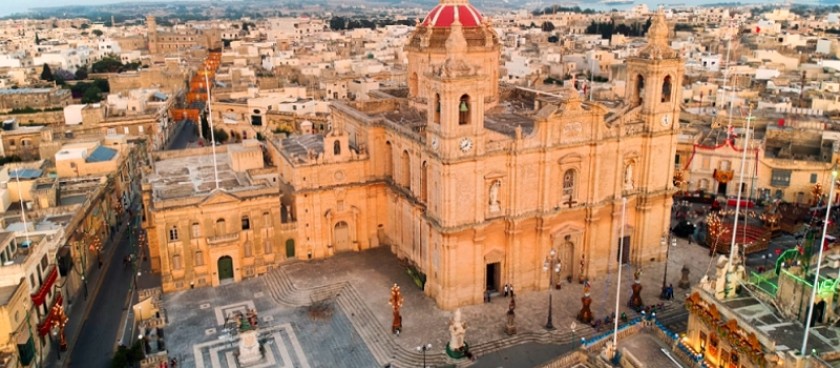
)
(20, 7)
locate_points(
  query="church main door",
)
(341, 234)
(225, 269)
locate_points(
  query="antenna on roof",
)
(210, 122)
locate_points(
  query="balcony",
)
(221, 239)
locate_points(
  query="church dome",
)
(445, 13)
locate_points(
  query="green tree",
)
(92, 95)
(37, 39)
(547, 26)
(81, 73)
(47, 74)
(85, 26)
(220, 135)
(97, 33)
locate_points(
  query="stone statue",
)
(684, 281)
(628, 177)
(494, 196)
(457, 330)
(249, 349)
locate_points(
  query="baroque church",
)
(477, 184)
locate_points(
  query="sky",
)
(17, 6)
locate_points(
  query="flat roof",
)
(194, 175)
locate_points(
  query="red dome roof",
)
(444, 14)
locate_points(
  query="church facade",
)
(479, 185)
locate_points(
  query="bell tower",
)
(654, 78)
(453, 72)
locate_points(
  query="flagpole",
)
(816, 283)
(620, 259)
(210, 122)
(740, 186)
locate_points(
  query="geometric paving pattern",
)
(281, 349)
(225, 311)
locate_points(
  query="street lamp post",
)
(664, 294)
(551, 264)
(423, 349)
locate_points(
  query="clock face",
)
(435, 143)
(666, 120)
(466, 144)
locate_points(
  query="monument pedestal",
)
(249, 348)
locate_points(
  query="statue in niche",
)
(494, 196)
(628, 177)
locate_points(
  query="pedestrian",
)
(487, 296)
(690, 236)
(511, 291)
(506, 289)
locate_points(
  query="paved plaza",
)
(335, 313)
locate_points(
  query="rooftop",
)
(193, 175)
(101, 154)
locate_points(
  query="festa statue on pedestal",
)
(585, 314)
(635, 301)
(250, 352)
(510, 324)
(457, 348)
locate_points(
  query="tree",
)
(547, 26)
(81, 73)
(220, 135)
(47, 74)
(92, 95)
(97, 33)
(85, 26)
(37, 39)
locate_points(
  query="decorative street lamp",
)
(424, 349)
(59, 321)
(665, 294)
(551, 263)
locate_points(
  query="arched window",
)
(220, 227)
(336, 148)
(437, 109)
(569, 183)
(389, 159)
(464, 110)
(666, 89)
(640, 88)
(405, 164)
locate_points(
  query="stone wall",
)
(40, 118)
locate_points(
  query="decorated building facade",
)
(475, 183)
